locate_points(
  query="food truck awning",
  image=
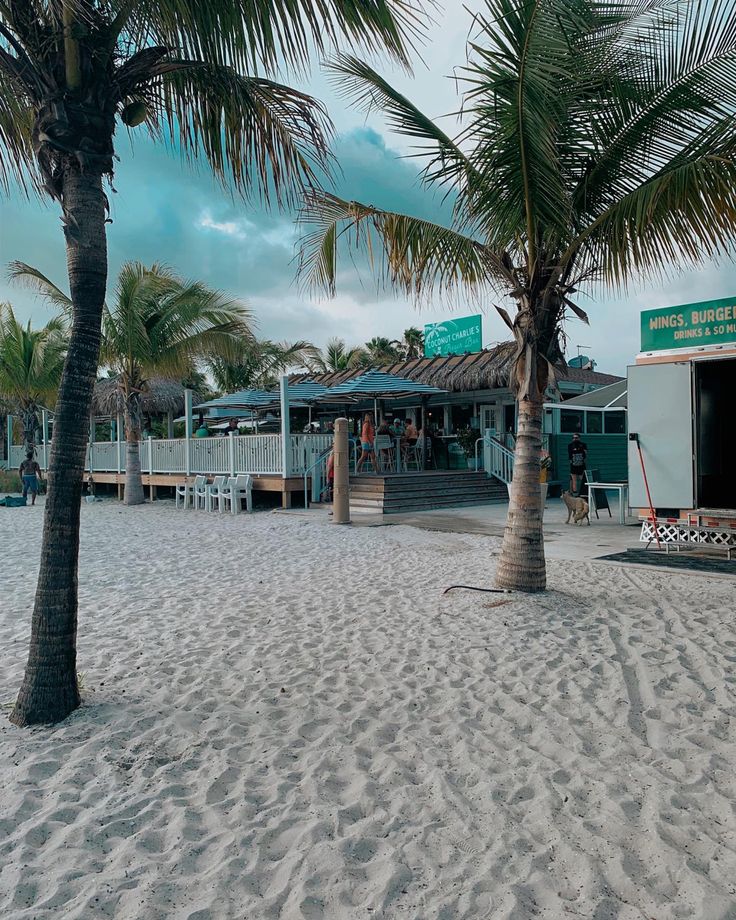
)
(613, 397)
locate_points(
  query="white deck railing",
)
(498, 460)
(258, 454)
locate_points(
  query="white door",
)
(488, 419)
(660, 409)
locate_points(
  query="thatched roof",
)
(161, 396)
(481, 370)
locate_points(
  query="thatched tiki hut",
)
(156, 397)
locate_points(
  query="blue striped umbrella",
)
(377, 385)
(243, 399)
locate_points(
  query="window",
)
(571, 420)
(615, 422)
(594, 422)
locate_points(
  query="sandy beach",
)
(288, 719)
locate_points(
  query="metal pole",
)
(341, 467)
(231, 446)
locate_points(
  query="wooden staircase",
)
(401, 493)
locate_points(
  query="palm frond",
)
(254, 34)
(684, 215)
(362, 85)
(685, 93)
(416, 256)
(17, 162)
(270, 139)
(35, 280)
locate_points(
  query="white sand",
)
(286, 719)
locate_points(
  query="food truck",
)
(682, 435)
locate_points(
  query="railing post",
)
(285, 429)
(231, 448)
(118, 431)
(45, 436)
(150, 455)
(188, 432)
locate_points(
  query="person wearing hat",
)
(577, 451)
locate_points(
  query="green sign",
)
(453, 337)
(694, 324)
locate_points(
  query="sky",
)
(164, 211)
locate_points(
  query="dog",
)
(577, 509)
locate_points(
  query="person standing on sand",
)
(577, 451)
(367, 440)
(30, 473)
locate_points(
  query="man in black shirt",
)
(577, 451)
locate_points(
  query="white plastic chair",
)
(199, 494)
(384, 451)
(185, 491)
(238, 488)
(213, 493)
(183, 494)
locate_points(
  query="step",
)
(439, 506)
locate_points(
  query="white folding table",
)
(623, 496)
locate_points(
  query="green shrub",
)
(9, 481)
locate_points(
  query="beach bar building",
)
(471, 400)
(682, 439)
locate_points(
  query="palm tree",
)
(381, 350)
(259, 364)
(598, 144)
(334, 357)
(412, 343)
(158, 326)
(31, 362)
(201, 76)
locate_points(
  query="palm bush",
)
(258, 364)
(597, 145)
(31, 362)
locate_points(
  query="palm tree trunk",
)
(134, 494)
(521, 567)
(49, 691)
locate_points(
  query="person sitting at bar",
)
(232, 425)
(410, 433)
(397, 428)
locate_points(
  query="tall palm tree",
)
(157, 326)
(202, 75)
(259, 364)
(598, 145)
(31, 363)
(412, 343)
(335, 356)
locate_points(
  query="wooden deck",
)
(261, 483)
(395, 493)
